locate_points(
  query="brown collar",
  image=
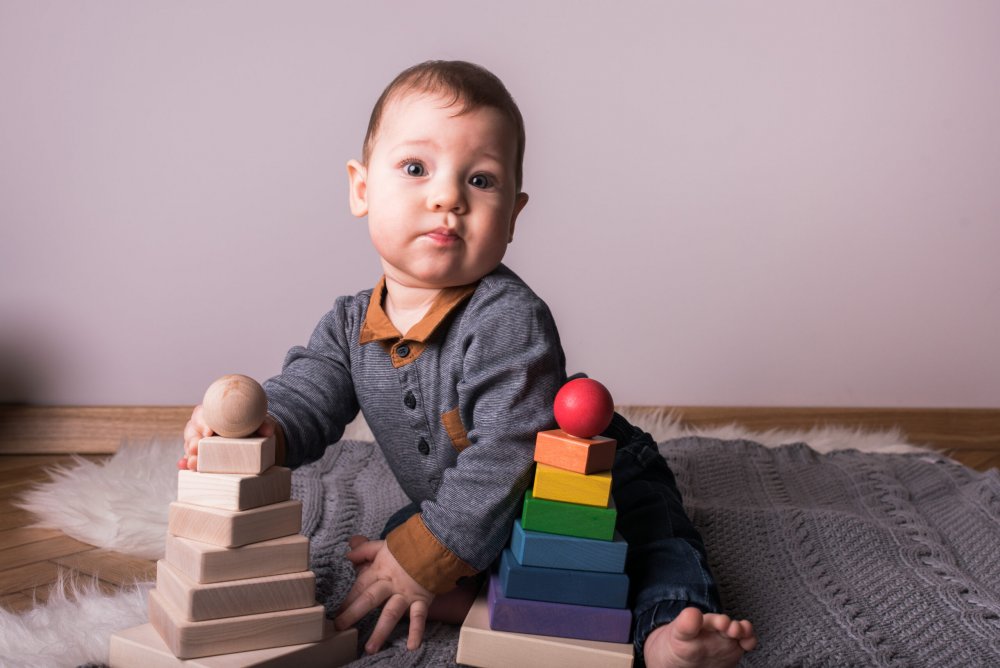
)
(378, 327)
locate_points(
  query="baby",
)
(455, 363)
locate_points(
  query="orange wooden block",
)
(571, 453)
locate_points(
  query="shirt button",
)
(410, 401)
(423, 447)
(402, 350)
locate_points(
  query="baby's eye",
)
(414, 169)
(480, 181)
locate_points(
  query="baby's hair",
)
(470, 85)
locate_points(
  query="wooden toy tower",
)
(235, 585)
(560, 594)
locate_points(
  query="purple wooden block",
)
(563, 620)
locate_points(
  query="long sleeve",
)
(313, 397)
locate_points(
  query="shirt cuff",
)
(425, 558)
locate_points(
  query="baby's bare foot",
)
(696, 639)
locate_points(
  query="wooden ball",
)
(584, 408)
(234, 406)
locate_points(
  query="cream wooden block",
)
(233, 528)
(217, 454)
(235, 491)
(205, 563)
(556, 484)
(479, 645)
(198, 602)
(189, 640)
(142, 646)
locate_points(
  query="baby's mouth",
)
(443, 235)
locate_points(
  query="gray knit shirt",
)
(455, 405)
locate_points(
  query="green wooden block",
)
(568, 519)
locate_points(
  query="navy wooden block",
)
(549, 550)
(560, 585)
(556, 619)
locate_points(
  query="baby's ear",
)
(357, 175)
(519, 202)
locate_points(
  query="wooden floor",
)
(31, 560)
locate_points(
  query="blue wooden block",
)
(560, 585)
(549, 550)
(517, 615)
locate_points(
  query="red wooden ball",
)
(584, 408)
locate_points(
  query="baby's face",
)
(439, 191)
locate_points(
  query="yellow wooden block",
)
(142, 646)
(557, 484)
(580, 455)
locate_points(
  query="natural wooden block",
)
(568, 519)
(217, 454)
(205, 563)
(549, 550)
(479, 645)
(188, 640)
(197, 602)
(233, 528)
(556, 619)
(571, 453)
(235, 491)
(560, 585)
(569, 487)
(143, 646)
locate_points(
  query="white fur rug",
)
(121, 504)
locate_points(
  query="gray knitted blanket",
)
(840, 559)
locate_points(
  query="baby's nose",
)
(447, 196)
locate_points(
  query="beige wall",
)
(731, 203)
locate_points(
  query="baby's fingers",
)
(392, 612)
(362, 599)
(418, 621)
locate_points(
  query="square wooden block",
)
(560, 585)
(568, 519)
(197, 602)
(189, 640)
(205, 563)
(142, 646)
(555, 484)
(571, 453)
(233, 528)
(235, 491)
(556, 619)
(479, 645)
(550, 550)
(235, 455)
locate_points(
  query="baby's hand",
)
(381, 580)
(195, 430)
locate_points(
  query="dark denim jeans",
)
(666, 562)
